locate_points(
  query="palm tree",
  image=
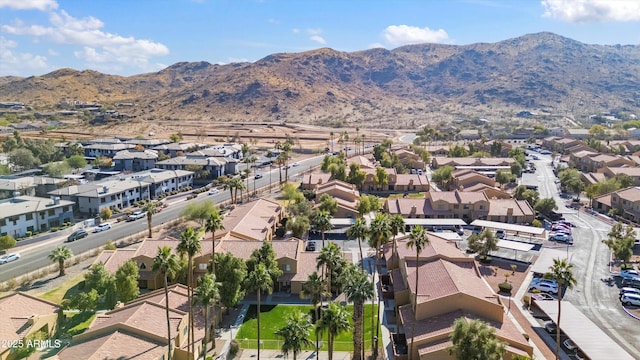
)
(295, 333)
(314, 289)
(329, 257)
(418, 239)
(213, 224)
(166, 263)
(331, 136)
(238, 185)
(259, 280)
(150, 208)
(562, 272)
(358, 230)
(322, 221)
(483, 243)
(60, 255)
(379, 234)
(358, 289)
(474, 339)
(279, 160)
(334, 320)
(286, 148)
(206, 294)
(229, 184)
(397, 225)
(190, 244)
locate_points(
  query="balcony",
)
(399, 342)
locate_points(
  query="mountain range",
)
(538, 72)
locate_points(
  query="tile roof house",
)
(310, 181)
(510, 211)
(347, 196)
(437, 162)
(135, 160)
(449, 287)
(632, 171)
(466, 178)
(22, 315)
(591, 178)
(138, 330)
(590, 161)
(442, 205)
(409, 159)
(625, 201)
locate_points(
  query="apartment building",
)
(591, 161)
(626, 202)
(22, 215)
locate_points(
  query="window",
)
(3, 222)
(481, 207)
(202, 266)
(287, 267)
(456, 206)
(440, 207)
(52, 212)
(29, 216)
(466, 207)
(103, 200)
(142, 266)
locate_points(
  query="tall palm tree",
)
(279, 159)
(331, 136)
(206, 294)
(329, 257)
(379, 234)
(358, 289)
(418, 239)
(334, 320)
(166, 263)
(229, 184)
(359, 231)
(150, 208)
(238, 185)
(60, 255)
(295, 333)
(315, 290)
(562, 272)
(213, 224)
(322, 221)
(259, 280)
(190, 245)
(286, 148)
(397, 225)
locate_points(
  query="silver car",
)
(9, 258)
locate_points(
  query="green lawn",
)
(64, 291)
(273, 317)
(419, 195)
(75, 323)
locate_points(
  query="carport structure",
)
(530, 231)
(426, 223)
(589, 338)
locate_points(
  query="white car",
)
(544, 286)
(295, 164)
(630, 299)
(629, 274)
(102, 227)
(9, 258)
(629, 290)
(570, 345)
(213, 191)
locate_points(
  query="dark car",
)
(631, 282)
(311, 246)
(76, 235)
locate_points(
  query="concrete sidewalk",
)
(305, 355)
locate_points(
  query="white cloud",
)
(375, 46)
(403, 34)
(273, 21)
(20, 63)
(295, 31)
(319, 39)
(314, 31)
(42, 5)
(585, 11)
(53, 52)
(98, 47)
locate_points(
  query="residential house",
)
(510, 211)
(442, 205)
(24, 215)
(469, 162)
(490, 145)
(147, 143)
(577, 133)
(594, 178)
(206, 167)
(123, 191)
(450, 287)
(135, 160)
(589, 161)
(625, 202)
(23, 315)
(633, 172)
(466, 178)
(105, 150)
(437, 150)
(410, 183)
(564, 145)
(346, 195)
(176, 149)
(409, 159)
(370, 183)
(138, 330)
(254, 220)
(310, 181)
(470, 134)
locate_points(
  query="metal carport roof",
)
(515, 245)
(594, 342)
(509, 227)
(434, 222)
(545, 260)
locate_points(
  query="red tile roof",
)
(15, 311)
(115, 345)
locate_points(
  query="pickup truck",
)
(135, 216)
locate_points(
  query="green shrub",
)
(28, 234)
(234, 347)
(505, 287)
(54, 229)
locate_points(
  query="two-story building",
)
(625, 202)
(632, 172)
(346, 195)
(206, 167)
(23, 215)
(105, 150)
(450, 287)
(28, 185)
(409, 159)
(590, 161)
(135, 160)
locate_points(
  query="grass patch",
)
(273, 317)
(64, 291)
(75, 323)
(419, 195)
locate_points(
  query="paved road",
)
(596, 292)
(34, 255)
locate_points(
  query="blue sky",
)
(127, 37)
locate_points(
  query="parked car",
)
(298, 164)
(541, 279)
(544, 286)
(136, 215)
(542, 297)
(629, 274)
(311, 246)
(570, 345)
(561, 238)
(77, 235)
(459, 230)
(102, 227)
(634, 282)
(213, 191)
(500, 234)
(630, 299)
(551, 327)
(9, 258)
(629, 290)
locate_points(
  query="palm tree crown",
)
(295, 333)
(359, 231)
(213, 224)
(166, 263)
(334, 320)
(562, 272)
(60, 255)
(322, 221)
(150, 208)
